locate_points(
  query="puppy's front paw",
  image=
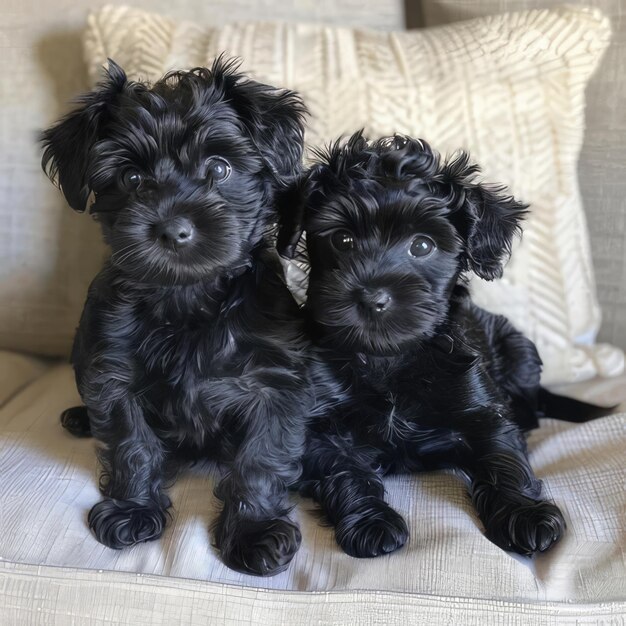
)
(258, 547)
(76, 421)
(376, 531)
(121, 523)
(527, 528)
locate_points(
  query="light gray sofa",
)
(52, 571)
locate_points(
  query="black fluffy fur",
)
(189, 344)
(431, 380)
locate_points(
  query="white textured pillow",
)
(509, 88)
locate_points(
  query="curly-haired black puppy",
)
(189, 341)
(433, 381)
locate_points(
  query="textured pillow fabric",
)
(509, 88)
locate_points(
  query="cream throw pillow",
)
(509, 88)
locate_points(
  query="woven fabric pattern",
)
(99, 598)
(510, 88)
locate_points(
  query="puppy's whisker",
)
(119, 257)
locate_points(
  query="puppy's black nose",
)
(376, 300)
(176, 232)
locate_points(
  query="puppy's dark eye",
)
(421, 246)
(218, 169)
(131, 180)
(342, 240)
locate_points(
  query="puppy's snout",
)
(175, 233)
(375, 300)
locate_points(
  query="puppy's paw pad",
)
(379, 530)
(121, 523)
(76, 421)
(259, 547)
(530, 528)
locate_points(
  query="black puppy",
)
(189, 342)
(433, 381)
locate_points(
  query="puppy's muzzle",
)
(374, 300)
(175, 233)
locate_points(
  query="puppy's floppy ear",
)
(334, 162)
(294, 203)
(486, 216)
(273, 117)
(291, 208)
(494, 219)
(68, 143)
